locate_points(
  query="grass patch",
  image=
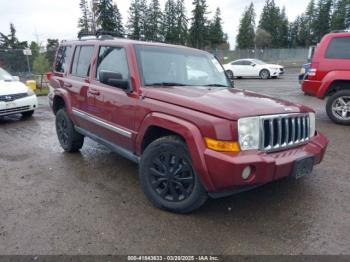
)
(42, 91)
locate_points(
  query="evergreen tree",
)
(269, 21)
(119, 28)
(293, 35)
(282, 29)
(199, 26)
(143, 10)
(263, 39)
(246, 31)
(170, 22)
(154, 21)
(216, 33)
(133, 26)
(347, 17)
(106, 15)
(339, 15)
(182, 22)
(322, 26)
(11, 41)
(309, 21)
(84, 21)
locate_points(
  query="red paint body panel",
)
(192, 113)
(328, 70)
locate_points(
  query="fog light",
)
(246, 172)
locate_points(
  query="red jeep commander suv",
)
(172, 110)
(330, 75)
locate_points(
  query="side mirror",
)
(114, 79)
(253, 65)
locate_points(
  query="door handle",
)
(94, 92)
(67, 85)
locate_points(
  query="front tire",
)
(338, 107)
(167, 176)
(70, 140)
(264, 74)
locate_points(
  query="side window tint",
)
(62, 57)
(237, 63)
(339, 48)
(112, 59)
(82, 61)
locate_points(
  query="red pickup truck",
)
(173, 110)
(329, 75)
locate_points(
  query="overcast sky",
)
(42, 19)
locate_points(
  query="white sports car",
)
(253, 68)
(15, 97)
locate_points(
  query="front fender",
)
(329, 79)
(189, 132)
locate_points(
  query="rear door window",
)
(339, 48)
(82, 61)
(62, 63)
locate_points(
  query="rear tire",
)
(70, 140)
(264, 74)
(338, 107)
(167, 176)
(28, 114)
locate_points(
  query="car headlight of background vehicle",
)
(312, 124)
(30, 92)
(249, 133)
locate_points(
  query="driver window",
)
(112, 59)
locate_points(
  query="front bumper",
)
(226, 169)
(22, 105)
(311, 87)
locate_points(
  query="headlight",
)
(30, 92)
(249, 133)
(312, 124)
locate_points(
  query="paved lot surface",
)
(91, 203)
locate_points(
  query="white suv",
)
(15, 97)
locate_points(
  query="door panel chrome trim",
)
(101, 123)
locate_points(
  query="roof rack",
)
(100, 34)
(341, 31)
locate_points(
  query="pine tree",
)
(339, 15)
(282, 29)
(199, 26)
(119, 28)
(216, 33)
(347, 17)
(246, 31)
(270, 20)
(170, 22)
(143, 10)
(293, 35)
(84, 21)
(182, 22)
(309, 22)
(154, 21)
(322, 26)
(133, 26)
(106, 17)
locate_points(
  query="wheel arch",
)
(156, 125)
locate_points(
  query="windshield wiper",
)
(166, 84)
(216, 85)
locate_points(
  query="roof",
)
(125, 41)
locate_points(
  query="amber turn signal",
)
(222, 146)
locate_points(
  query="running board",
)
(115, 148)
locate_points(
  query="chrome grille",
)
(13, 97)
(282, 131)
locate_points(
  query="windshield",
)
(168, 66)
(5, 76)
(258, 62)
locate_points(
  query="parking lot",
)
(52, 202)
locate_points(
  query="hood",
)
(13, 87)
(228, 103)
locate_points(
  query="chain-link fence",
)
(18, 64)
(15, 62)
(287, 57)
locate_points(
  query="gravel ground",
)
(91, 203)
